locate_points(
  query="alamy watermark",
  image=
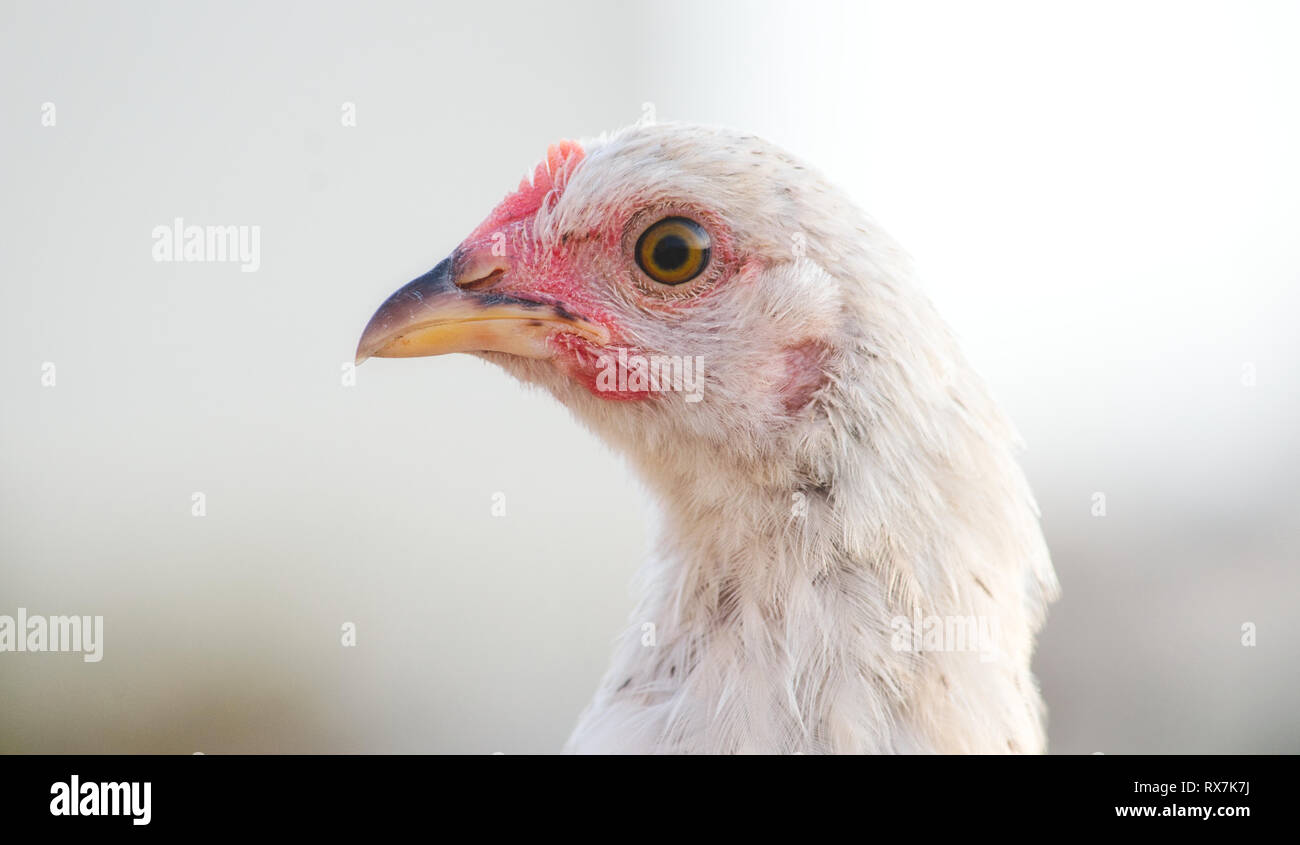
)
(920, 634)
(72, 797)
(179, 242)
(629, 372)
(83, 634)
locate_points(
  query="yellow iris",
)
(673, 251)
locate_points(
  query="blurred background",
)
(1103, 199)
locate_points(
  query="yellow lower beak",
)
(432, 316)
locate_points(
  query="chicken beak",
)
(434, 316)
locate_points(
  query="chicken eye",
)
(673, 251)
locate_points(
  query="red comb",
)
(551, 174)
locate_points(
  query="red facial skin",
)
(556, 281)
(585, 361)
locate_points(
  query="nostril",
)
(478, 270)
(480, 282)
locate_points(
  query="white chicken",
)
(850, 558)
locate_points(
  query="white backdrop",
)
(1104, 200)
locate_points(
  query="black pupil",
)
(671, 252)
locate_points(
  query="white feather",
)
(774, 628)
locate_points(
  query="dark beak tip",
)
(401, 304)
